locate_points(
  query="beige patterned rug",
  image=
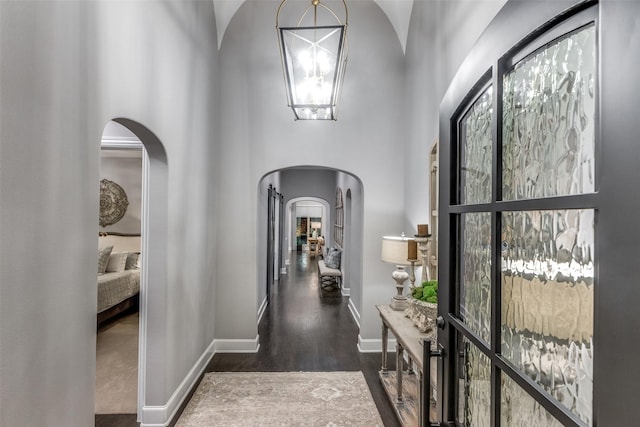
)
(281, 399)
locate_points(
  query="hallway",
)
(301, 330)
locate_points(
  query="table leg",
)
(385, 336)
(399, 369)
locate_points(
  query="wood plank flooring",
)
(302, 330)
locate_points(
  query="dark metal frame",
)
(518, 30)
(273, 197)
(425, 383)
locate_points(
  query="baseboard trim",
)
(346, 292)
(354, 312)
(237, 346)
(162, 416)
(262, 309)
(366, 345)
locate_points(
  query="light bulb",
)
(305, 60)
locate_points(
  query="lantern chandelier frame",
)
(314, 59)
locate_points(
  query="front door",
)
(538, 241)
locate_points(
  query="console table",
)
(409, 393)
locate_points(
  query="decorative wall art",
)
(113, 202)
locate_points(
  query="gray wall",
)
(441, 33)
(353, 200)
(67, 68)
(259, 135)
(318, 183)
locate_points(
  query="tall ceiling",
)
(398, 12)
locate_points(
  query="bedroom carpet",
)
(117, 367)
(281, 399)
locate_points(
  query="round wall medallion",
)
(113, 202)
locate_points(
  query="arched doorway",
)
(153, 248)
(318, 185)
(119, 274)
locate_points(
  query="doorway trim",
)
(153, 247)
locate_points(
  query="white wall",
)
(67, 68)
(441, 33)
(308, 209)
(48, 211)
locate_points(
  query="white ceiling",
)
(398, 12)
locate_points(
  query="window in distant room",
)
(339, 224)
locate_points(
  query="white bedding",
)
(115, 287)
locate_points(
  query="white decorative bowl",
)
(423, 314)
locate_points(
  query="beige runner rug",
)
(281, 399)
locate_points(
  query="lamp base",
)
(399, 301)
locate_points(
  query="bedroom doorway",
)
(119, 246)
(127, 226)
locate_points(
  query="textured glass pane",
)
(475, 273)
(518, 409)
(475, 151)
(548, 120)
(547, 302)
(474, 388)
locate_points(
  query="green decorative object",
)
(423, 305)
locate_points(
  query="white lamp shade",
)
(316, 225)
(395, 249)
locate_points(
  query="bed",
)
(118, 276)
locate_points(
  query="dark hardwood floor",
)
(301, 330)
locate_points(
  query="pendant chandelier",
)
(314, 57)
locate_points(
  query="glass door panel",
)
(474, 386)
(519, 204)
(476, 140)
(547, 275)
(548, 126)
(519, 409)
(475, 273)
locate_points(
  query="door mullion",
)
(496, 288)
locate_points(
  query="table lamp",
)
(395, 250)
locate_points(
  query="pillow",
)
(117, 261)
(331, 249)
(103, 258)
(132, 261)
(334, 258)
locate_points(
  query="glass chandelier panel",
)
(313, 61)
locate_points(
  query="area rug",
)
(281, 399)
(117, 368)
